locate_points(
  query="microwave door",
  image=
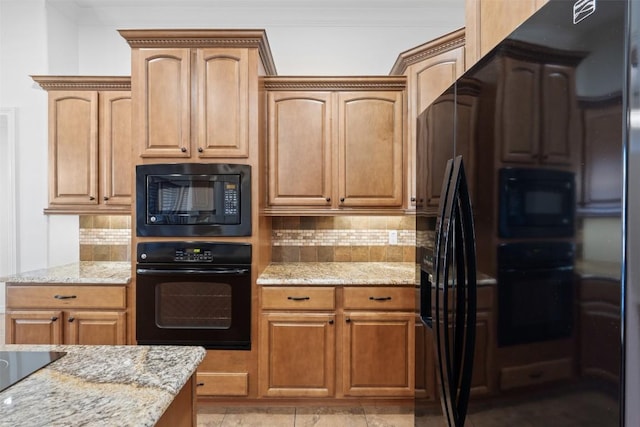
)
(455, 298)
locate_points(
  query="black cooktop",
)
(17, 365)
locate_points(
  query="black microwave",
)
(193, 199)
(536, 203)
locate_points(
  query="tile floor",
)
(365, 416)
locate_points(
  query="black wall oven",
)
(194, 293)
(193, 199)
(535, 291)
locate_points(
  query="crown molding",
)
(83, 82)
(429, 49)
(335, 83)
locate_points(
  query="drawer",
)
(535, 373)
(108, 297)
(222, 384)
(298, 298)
(379, 298)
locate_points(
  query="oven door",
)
(194, 305)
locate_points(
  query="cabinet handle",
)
(200, 150)
(348, 320)
(105, 198)
(328, 199)
(199, 384)
(413, 199)
(54, 318)
(298, 298)
(341, 199)
(64, 296)
(183, 149)
(71, 319)
(91, 198)
(331, 322)
(380, 298)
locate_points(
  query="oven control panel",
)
(193, 254)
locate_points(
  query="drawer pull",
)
(298, 298)
(199, 384)
(64, 296)
(536, 375)
(380, 298)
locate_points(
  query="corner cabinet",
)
(335, 144)
(89, 143)
(430, 69)
(196, 102)
(66, 314)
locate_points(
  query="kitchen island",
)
(105, 386)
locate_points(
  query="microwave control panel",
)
(231, 197)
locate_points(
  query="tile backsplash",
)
(343, 239)
(105, 238)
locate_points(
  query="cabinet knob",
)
(348, 320)
(71, 319)
(341, 199)
(183, 149)
(328, 199)
(413, 199)
(105, 198)
(200, 150)
(54, 318)
(91, 198)
(331, 322)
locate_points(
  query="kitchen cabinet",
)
(430, 69)
(69, 314)
(335, 144)
(89, 144)
(601, 191)
(195, 92)
(357, 341)
(490, 21)
(297, 342)
(538, 106)
(599, 308)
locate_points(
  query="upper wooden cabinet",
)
(430, 69)
(490, 21)
(89, 143)
(335, 143)
(198, 101)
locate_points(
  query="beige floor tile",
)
(210, 416)
(259, 417)
(389, 416)
(330, 417)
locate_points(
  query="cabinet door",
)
(223, 102)
(95, 328)
(378, 354)
(439, 129)
(34, 327)
(73, 147)
(161, 82)
(519, 107)
(297, 355)
(115, 147)
(425, 362)
(370, 149)
(300, 148)
(559, 143)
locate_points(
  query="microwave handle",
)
(217, 271)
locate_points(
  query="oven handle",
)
(218, 271)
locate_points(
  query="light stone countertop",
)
(83, 272)
(339, 273)
(99, 386)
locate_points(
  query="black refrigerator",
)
(525, 229)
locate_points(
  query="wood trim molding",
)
(429, 49)
(335, 83)
(195, 38)
(83, 82)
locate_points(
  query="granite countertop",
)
(99, 386)
(339, 273)
(83, 272)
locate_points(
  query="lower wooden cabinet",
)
(84, 315)
(336, 342)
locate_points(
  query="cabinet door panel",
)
(300, 148)
(34, 327)
(559, 108)
(73, 147)
(378, 354)
(297, 355)
(223, 102)
(95, 328)
(161, 79)
(370, 145)
(115, 146)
